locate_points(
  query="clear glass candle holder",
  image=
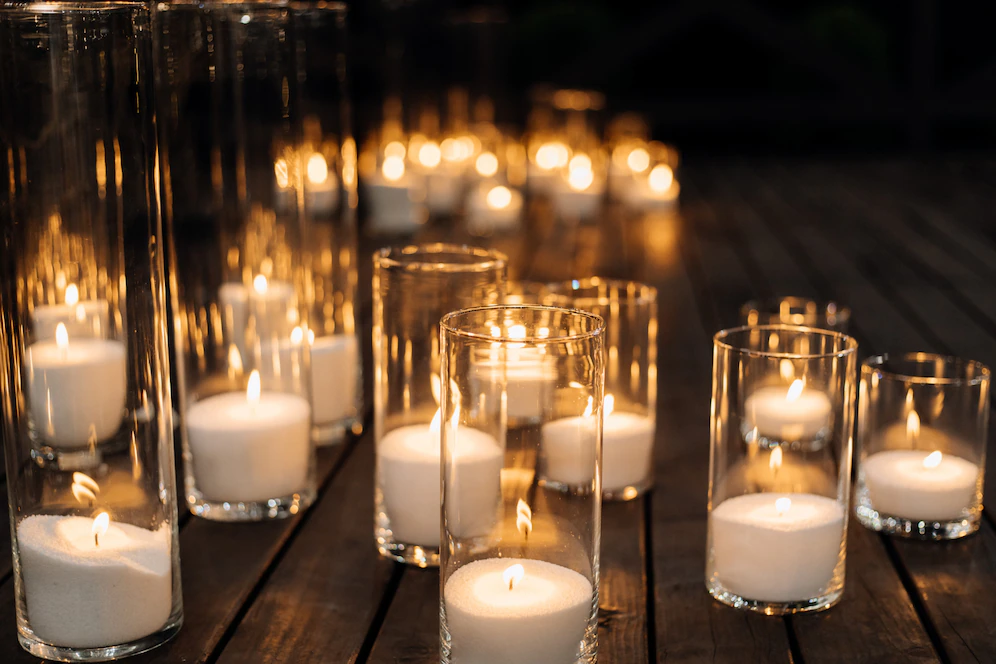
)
(519, 566)
(86, 390)
(922, 426)
(781, 431)
(630, 313)
(796, 311)
(413, 287)
(249, 174)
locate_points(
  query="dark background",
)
(726, 76)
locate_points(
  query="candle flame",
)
(100, 525)
(297, 336)
(513, 575)
(933, 460)
(783, 505)
(253, 389)
(909, 400)
(608, 405)
(517, 331)
(660, 178)
(523, 518)
(795, 390)
(429, 155)
(234, 360)
(318, 169)
(580, 179)
(912, 426)
(436, 421)
(552, 155)
(260, 284)
(638, 160)
(84, 488)
(786, 369)
(486, 164)
(395, 149)
(775, 460)
(580, 162)
(393, 168)
(499, 198)
(591, 407)
(281, 173)
(62, 337)
(72, 294)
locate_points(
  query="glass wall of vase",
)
(260, 169)
(88, 422)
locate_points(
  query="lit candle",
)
(233, 301)
(91, 583)
(655, 192)
(443, 180)
(493, 207)
(391, 195)
(529, 376)
(81, 319)
(273, 307)
(567, 448)
(408, 461)
(250, 446)
(543, 170)
(627, 446)
(321, 189)
(77, 388)
(582, 194)
(920, 485)
(501, 610)
(776, 547)
(798, 413)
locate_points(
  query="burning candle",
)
(76, 388)
(321, 189)
(493, 207)
(655, 192)
(81, 319)
(627, 446)
(582, 195)
(529, 375)
(408, 461)
(501, 610)
(798, 413)
(249, 447)
(91, 583)
(776, 547)
(919, 485)
(391, 195)
(273, 307)
(543, 170)
(566, 447)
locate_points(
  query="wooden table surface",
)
(911, 247)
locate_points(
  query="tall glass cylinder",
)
(519, 566)
(88, 421)
(255, 198)
(922, 425)
(796, 311)
(781, 424)
(413, 287)
(629, 310)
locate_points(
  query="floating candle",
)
(796, 413)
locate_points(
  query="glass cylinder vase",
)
(922, 426)
(781, 430)
(519, 567)
(413, 287)
(629, 310)
(255, 198)
(88, 421)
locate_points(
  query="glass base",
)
(85, 458)
(630, 492)
(274, 508)
(926, 530)
(409, 554)
(334, 433)
(729, 598)
(814, 443)
(64, 654)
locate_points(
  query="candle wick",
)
(510, 582)
(96, 539)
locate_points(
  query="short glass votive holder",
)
(519, 573)
(796, 311)
(629, 309)
(781, 432)
(922, 426)
(413, 287)
(88, 421)
(242, 179)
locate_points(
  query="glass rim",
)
(767, 305)
(446, 324)
(850, 343)
(876, 363)
(645, 293)
(393, 257)
(325, 5)
(36, 7)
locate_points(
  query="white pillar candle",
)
(233, 301)
(627, 447)
(391, 197)
(920, 485)
(774, 547)
(408, 460)
(567, 449)
(334, 377)
(785, 414)
(494, 208)
(530, 378)
(540, 619)
(578, 203)
(250, 447)
(82, 319)
(77, 389)
(86, 594)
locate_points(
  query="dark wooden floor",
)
(911, 247)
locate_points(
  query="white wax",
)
(778, 418)
(233, 302)
(567, 450)
(899, 485)
(334, 377)
(529, 381)
(483, 218)
(243, 452)
(83, 319)
(77, 391)
(443, 189)
(627, 448)
(392, 205)
(541, 620)
(83, 595)
(321, 199)
(408, 460)
(577, 204)
(763, 555)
